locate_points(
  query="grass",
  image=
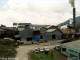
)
(41, 56)
(55, 55)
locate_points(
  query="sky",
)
(49, 12)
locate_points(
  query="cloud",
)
(3, 4)
(37, 11)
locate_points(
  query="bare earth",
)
(22, 51)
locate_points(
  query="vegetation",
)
(52, 55)
(41, 56)
(7, 48)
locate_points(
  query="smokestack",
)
(72, 2)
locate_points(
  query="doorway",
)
(53, 36)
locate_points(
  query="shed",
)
(54, 34)
(71, 50)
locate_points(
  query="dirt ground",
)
(22, 51)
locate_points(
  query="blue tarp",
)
(36, 38)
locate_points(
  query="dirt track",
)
(22, 51)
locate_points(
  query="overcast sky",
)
(36, 11)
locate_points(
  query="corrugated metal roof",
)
(75, 45)
(51, 30)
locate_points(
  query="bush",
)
(7, 48)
